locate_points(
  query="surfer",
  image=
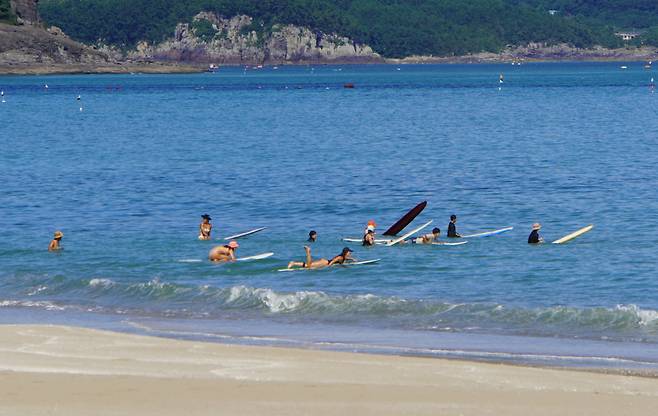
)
(205, 227)
(370, 227)
(224, 253)
(57, 239)
(312, 236)
(428, 238)
(452, 227)
(369, 238)
(534, 237)
(321, 263)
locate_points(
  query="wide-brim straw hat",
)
(536, 226)
(58, 234)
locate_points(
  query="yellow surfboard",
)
(573, 235)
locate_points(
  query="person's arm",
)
(51, 246)
(308, 256)
(334, 261)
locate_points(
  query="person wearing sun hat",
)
(224, 253)
(205, 227)
(534, 237)
(54, 244)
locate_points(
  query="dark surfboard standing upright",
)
(406, 220)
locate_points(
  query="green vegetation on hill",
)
(394, 28)
(6, 16)
(623, 14)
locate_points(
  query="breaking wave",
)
(157, 298)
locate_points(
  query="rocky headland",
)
(28, 47)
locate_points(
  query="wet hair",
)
(453, 217)
(436, 230)
(312, 233)
(370, 232)
(345, 251)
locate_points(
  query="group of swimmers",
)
(227, 252)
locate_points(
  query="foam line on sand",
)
(57, 370)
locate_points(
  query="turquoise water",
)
(127, 178)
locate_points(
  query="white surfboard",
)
(360, 240)
(256, 257)
(573, 235)
(409, 234)
(488, 233)
(349, 264)
(246, 233)
(359, 263)
(449, 244)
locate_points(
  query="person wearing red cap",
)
(224, 253)
(370, 227)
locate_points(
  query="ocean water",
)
(126, 172)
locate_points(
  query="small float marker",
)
(2, 94)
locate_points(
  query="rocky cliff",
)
(213, 39)
(26, 10)
(29, 45)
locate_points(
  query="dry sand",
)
(54, 370)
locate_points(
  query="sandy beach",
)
(54, 370)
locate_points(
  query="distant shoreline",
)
(187, 68)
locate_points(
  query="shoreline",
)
(191, 68)
(42, 367)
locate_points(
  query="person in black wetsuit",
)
(369, 238)
(534, 237)
(452, 228)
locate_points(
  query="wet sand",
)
(54, 370)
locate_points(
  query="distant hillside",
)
(622, 14)
(392, 28)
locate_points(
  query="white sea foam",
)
(645, 316)
(99, 282)
(50, 306)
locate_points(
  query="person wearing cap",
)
(205, 227)
(370, 227)
(369, 238)
(428, 238)
(321, 263)
(224, 253)
(312, 236)
(452, 227)
(54, 244)
(534, 237)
